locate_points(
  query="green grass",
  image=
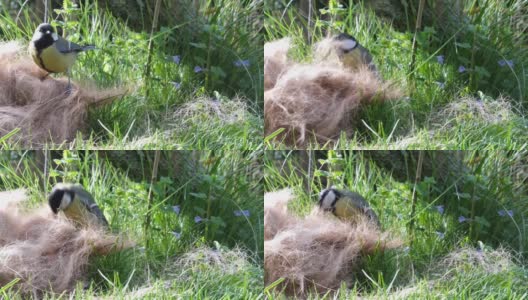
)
(481, 189)
(170, 258)
(426, 118)
(216, 41)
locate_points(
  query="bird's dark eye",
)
(347, 51)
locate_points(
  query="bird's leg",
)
(45, 76)
(68, 89)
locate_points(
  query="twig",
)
(414, 46)
(413, 208)
(151, 46)
(46, 170)
(150, 195)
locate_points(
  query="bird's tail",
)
(88, 47)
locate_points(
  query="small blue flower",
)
(440, 84)
(461, 69)
(176, 59)
(176, 209)
(198, 219)
(406, 249)
(440, 235)
(440, 59)
(462, 219)
(176, 234)
(240, 213)
(242, 63)
(504, 62)
(198, 69)
(176, 85)
(440, 209)
(503, 213)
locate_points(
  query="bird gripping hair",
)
(77, 205)
(346, 205)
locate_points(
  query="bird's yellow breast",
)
(51, 60)
(345, 209)
(353, 59)
(78, 212)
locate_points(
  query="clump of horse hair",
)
(45, 253)
(275, 61)
(40, 108)
(317, 252)
(319, 101)
(324, 52)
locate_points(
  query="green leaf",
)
(199, 195)
(199, 45)
(463, 45)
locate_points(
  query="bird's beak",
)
(54, 36)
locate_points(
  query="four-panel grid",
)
(263, 149)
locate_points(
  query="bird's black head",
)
(44, 36)
(46, 29)
(55, 198)
(344, 36)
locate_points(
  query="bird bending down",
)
(52, 53)
(351, 53)
(347, 205)
(76, 204)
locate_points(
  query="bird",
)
(77, 205)
(351, 53)
(52, 53)
(347, 205)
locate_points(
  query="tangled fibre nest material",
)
(37, 110)
(317, 252)
(316, 101)
(44, 253)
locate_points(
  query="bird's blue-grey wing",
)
(65, 46)
(90, 204)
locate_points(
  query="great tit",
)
(53, 53)
(76, 204)
(346, 205)
(351, 53)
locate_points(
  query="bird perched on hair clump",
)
(347, 205)
(52, 53)
(76, 204)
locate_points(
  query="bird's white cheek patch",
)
(55, 36)
(66, 200)
(349, 44)
(328, 200)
